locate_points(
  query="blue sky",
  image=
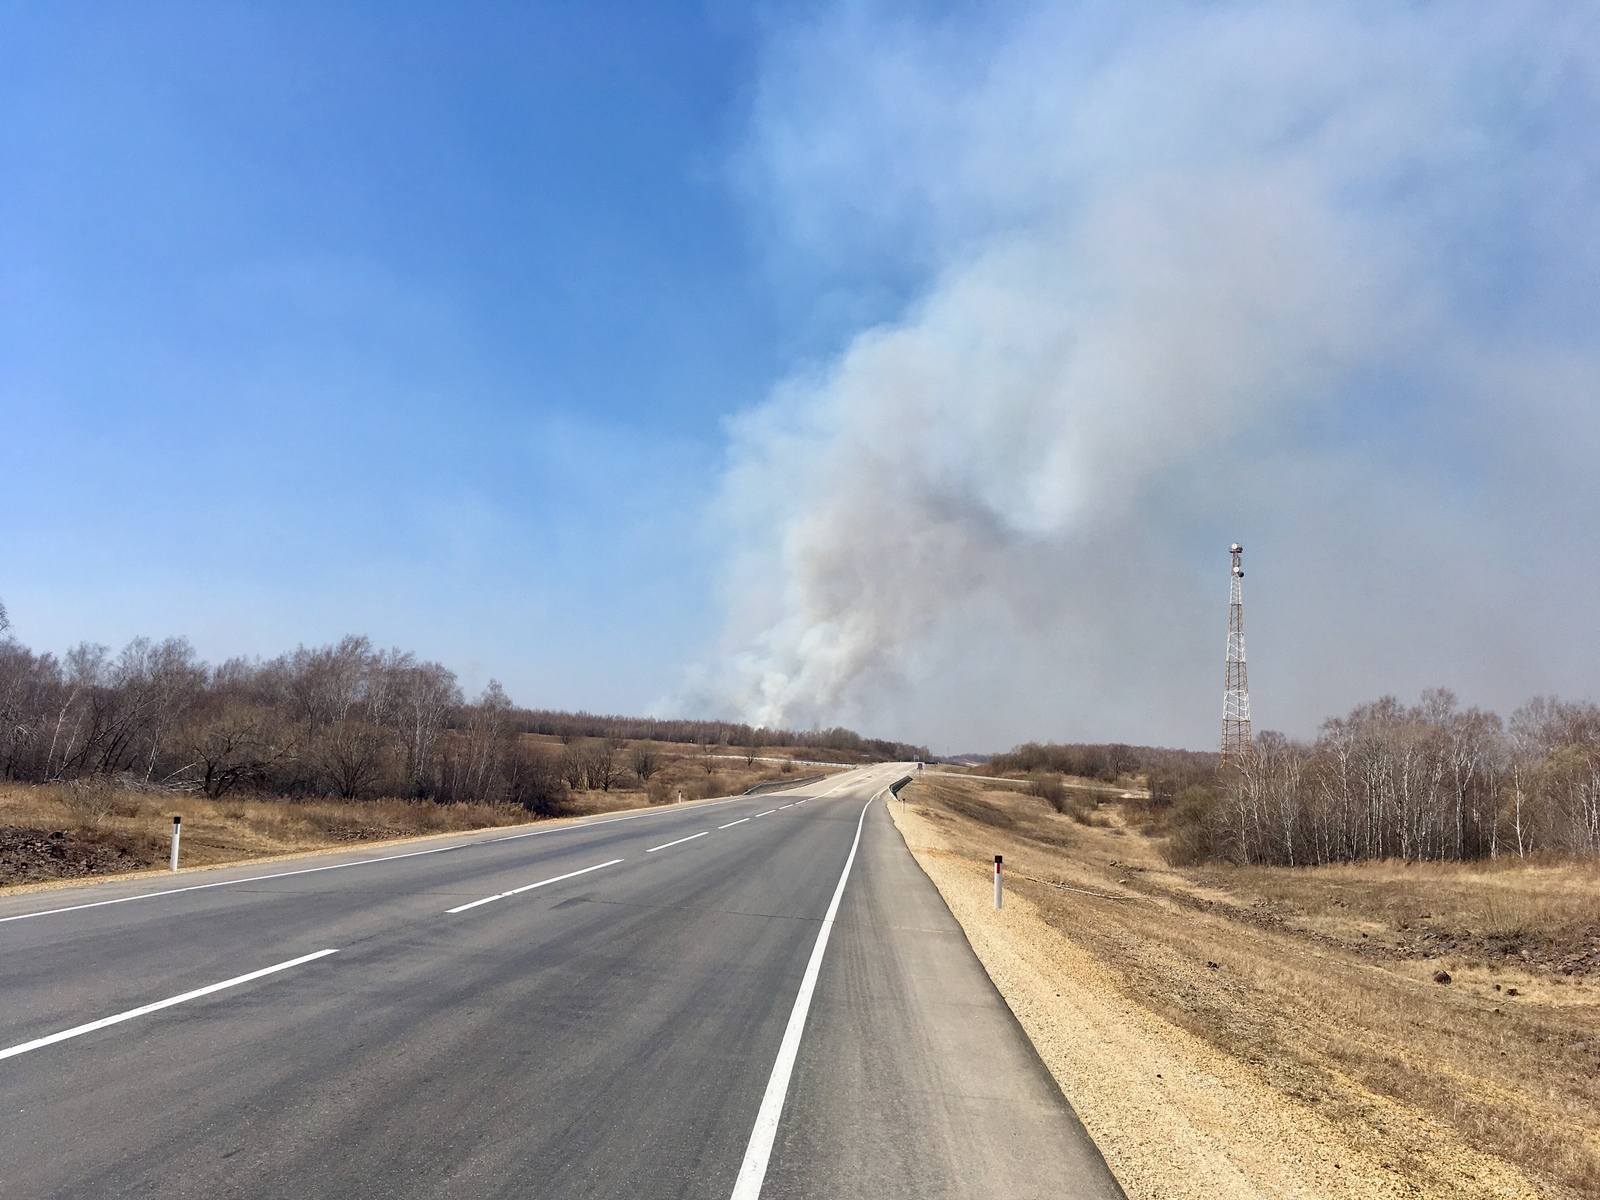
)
(414, 320)
(909, 365)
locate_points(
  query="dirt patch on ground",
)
(1233, 1034)
(36, 855)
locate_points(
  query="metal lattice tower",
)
(1236, 688)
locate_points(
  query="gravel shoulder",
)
(1244, 1103)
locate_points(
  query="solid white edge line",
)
(679, 842)
(528, 887)
(79, 1030)
(754, 1169)
(731, 824)
(362, 862)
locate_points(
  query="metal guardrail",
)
(779, 785)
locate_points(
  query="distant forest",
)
(672, 729)
(345, 720)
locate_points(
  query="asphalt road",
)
(628, 1029)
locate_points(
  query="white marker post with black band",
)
(997, 881)
(177, 824)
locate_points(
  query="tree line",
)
(1429, 781)
(345, 720)
(838, 740)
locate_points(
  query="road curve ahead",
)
(756, 997)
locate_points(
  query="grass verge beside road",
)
(56, 833)
(48, 835)
(1271, 1033)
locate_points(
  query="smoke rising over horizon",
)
(1130, 285)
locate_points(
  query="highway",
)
(761, 996)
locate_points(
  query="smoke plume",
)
(1317, 278)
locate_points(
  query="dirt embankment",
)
(1260, 1033)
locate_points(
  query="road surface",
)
(761, 996)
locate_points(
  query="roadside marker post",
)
(177, 825)
(997, 881)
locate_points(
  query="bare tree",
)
(601, 763)
(644, 761)
(533, 780)
(351, 753)
(482, 739)
(422, 696)
(574, 767)
(237, 747)
(324, 685)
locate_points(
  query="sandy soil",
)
(1213, 1059)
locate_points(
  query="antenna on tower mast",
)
(1236, 688)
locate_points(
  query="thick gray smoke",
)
(1316, 278)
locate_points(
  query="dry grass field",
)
(1275, 1032)
(72, 831)
(53, 832)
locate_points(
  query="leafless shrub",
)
(1048, 788)
(91, 799)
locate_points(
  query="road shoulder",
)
(914, 1079)
(1176, 1118)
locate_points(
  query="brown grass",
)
(96, 828)
(49, 833)
(1321, 983)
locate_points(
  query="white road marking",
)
(79, 1030)
(802, 801)
(530, 886)
(731, 824)
(768, 813)
(781, 807)
(756, 1154)
(679, 842)
(362, 862)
